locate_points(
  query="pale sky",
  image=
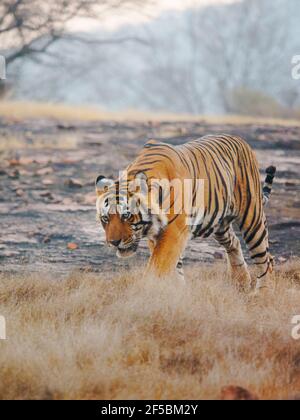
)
(113, 21)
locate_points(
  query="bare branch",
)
(31, 27)
(89, 41)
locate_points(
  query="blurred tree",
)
(246, 47)
(208, 54)
(29, 27)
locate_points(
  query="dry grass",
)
(95, 337)
(27, 110)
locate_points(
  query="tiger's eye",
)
(104, 219)
(126, 215)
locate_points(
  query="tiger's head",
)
(123, 211)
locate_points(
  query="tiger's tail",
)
(267, 187)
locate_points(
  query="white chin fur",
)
(125, 254)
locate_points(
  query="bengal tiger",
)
(231, 193)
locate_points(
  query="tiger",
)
(232, 194)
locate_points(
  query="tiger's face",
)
(124, 216)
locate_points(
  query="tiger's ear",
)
(141, 183)
(151, 143)
(138, 185)
(102, 184)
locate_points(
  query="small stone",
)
(14, 175)
(73, 183)
(282, 260)
(56, 199)
(44, 171)
(65, 127)
(46, 239)
(67, 201)
(47, 181)
(46, 194)
(19, 192)
(218, 255)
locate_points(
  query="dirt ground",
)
(47, 173)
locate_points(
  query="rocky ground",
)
(47, 173)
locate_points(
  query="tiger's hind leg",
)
(237, 266)
(256, 238)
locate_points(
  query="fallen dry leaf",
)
(14, 162)
(72, 246)
(236, 393)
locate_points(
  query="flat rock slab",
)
(47, 173)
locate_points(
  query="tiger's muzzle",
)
(127, 250)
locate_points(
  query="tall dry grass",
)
(18, 110)
(119, 337)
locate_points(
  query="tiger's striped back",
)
(226, 164)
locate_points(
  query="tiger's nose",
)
(115, 243)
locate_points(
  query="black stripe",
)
(267, 190)
(259, 277)
(259, 241)
(260, 255)
(261, 263)
(249, 200)
(213, 218)
(223, 232)
(253, 233)
(173, 220)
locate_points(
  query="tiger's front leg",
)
(179, 265)
(179, 270)
(166, 254)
